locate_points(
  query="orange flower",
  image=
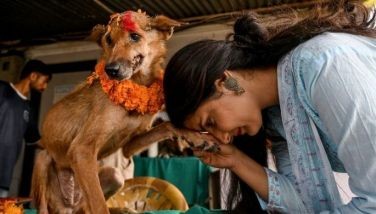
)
(10, 207)
(130, 95)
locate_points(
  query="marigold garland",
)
(130, 95)
(10, 207)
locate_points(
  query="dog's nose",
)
(112, 70)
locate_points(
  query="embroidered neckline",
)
(130, 95)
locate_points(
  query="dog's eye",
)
(109, 39)
(134, 37)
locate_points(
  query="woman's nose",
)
(224, 137)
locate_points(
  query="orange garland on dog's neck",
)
(130, 95)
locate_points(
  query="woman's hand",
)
(224, 157)
(230, 157)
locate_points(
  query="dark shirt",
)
(15, 126)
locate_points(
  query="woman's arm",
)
(246, 168)
(276, 191)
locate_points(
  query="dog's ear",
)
(165, 25)
(97, 34)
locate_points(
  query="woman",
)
(310, 84)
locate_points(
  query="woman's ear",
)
(228, 84)
(220, 84)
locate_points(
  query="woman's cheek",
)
(254, 129)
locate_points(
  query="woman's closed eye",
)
(210, 123)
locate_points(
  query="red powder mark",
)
(128, 23)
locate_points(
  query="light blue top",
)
(335, 79)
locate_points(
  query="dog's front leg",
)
(85, 168)
(166, 131)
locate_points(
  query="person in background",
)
(15, 119)
(308, 82)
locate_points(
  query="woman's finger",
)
(206, 159)
(198, 153)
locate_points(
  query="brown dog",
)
(86, 125)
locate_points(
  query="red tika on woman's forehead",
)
(128, 23)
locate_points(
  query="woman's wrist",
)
(251, 172)
(237, 159)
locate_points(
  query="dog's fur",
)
(86, 126)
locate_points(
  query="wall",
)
(180, 39)
(10, 68)
(60, 85)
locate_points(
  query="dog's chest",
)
(131, 127)
(140, 124)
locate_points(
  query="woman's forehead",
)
(207, 109)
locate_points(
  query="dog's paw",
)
(214, 148)
(198, 140)
(205, 146)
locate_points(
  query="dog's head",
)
(132, 42)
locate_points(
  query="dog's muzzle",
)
(112, 70)
(123, 69)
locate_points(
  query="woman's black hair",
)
(200, 64)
